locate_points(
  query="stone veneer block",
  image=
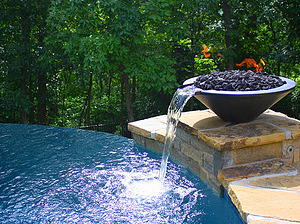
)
(191, 152)
(254, 154)
(290, 150)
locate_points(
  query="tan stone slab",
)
(207, 119)
(227, 175)
(264, 222)
(242, 135)
(289, 124)
(271, 115)
(134, 128)
(214, 132)
(160, 135)
(192, 121)
(285, 182)
(253, 219)
(147, 126)
(207, 123)
(261, 222)
(265, 202)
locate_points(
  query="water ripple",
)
(57, 175)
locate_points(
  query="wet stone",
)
(236, 80)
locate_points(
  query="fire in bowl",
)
(241, 105)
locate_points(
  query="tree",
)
(74, 63)
(22, 34)
(227, 24)
(110, 38)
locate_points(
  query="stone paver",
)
(269, 190)
(266, 202)
(275, 166)
(253, 219)
(283, 182)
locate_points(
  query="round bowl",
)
(241, 106)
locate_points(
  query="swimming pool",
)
(62, 175)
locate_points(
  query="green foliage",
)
(86, 49)
(263, 29)
(22, 31)
(204, 65)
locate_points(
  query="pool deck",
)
(262, 176)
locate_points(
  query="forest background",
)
(100, 64)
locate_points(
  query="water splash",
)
(141, 185)
(179, 100)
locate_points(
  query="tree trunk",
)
(87, 103)
(88, 110)
(31, 98)
(128, 99)
(41, 98)
(228, 40)
(122, 108)
(193, 41)
(274, 39)
(109, 87)
(25, 29)
(23, 91)
(278, 68)
(42, 81)
(133, 90)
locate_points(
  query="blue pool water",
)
(60, 175)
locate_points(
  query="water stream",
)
(179, 100)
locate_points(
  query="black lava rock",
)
(236, 80)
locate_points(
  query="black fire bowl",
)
(241, 106)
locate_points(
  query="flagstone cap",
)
(264, 192)
(270, 127)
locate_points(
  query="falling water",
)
(180, 98)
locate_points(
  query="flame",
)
(251, 63)
(205, 50)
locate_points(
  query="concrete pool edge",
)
(210, 147)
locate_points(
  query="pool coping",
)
(258, 189)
